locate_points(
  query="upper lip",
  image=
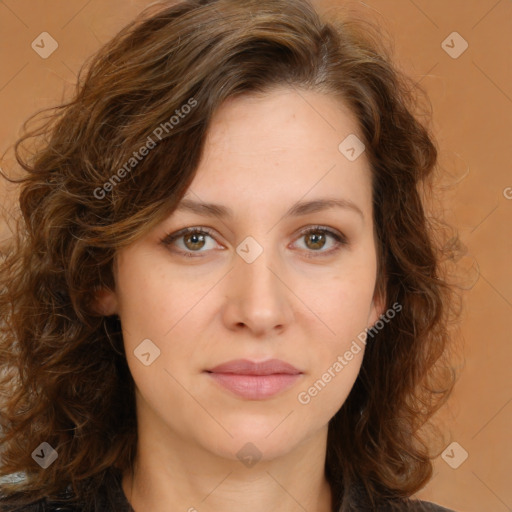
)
(247, 367)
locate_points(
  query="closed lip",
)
(248, 367)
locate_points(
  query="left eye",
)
(318, 236)
(195, 239)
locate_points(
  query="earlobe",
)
(105, 302)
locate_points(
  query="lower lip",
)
(255, 387)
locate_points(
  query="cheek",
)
(344, 302)
(344, 308)
(323, 396)
(152, 299)
(160, 313)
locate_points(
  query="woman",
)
(225, 293)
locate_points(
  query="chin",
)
(250, 450)
(268, 439)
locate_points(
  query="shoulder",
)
(424, 506)
(22, 502)
(42, 505)
(358, 499)
(103, 496)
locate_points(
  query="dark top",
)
(111, 498)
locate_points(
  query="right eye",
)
(193, 238)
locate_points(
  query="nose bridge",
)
(258, 296)
(253, 270)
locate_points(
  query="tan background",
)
(472, 100)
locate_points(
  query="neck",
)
(192, 481)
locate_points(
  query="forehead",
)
(280, 147)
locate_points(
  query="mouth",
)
(255, 381)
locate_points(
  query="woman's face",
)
(253, 286)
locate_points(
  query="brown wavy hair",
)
(64, 374)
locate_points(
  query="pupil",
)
(317, 237)
(194, 237)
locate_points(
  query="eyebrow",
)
(297, 210)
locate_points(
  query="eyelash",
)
(340, 239)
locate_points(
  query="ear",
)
(105, 302)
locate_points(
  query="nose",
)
(257, 297)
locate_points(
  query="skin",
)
(262, 155)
